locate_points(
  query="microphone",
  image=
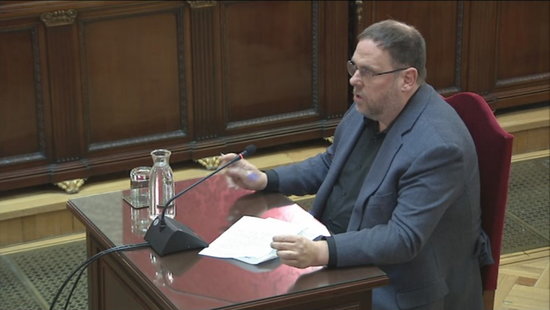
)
(166, 235)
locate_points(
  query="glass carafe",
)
(161, 184)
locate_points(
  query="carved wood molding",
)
(71, 186)
(273, 118)
(207, 105)
(315, 56)
(459, 46)
(210, 163)
(59, 18)
(358, 11)
(532, 78)
(198, 4)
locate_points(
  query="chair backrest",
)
(494, 151)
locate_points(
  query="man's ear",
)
(410, 76)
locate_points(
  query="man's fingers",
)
(281, 246)
(285, 238)
(284, 242)
(290, 258)
(286, 254)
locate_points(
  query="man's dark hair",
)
(404, 43)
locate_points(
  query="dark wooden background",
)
(89, 88)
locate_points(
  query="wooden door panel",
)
(440, 22)
(24, 109)
(132, 72)
(268, 58)
(19, 109)
(522, 42)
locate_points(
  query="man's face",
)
(374, 95)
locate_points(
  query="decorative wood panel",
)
(524, 24)
(277, 60)
(131, 72)
(65, 92)
(38, 226)
(257, 71)
(264, 41)
(91, 87)
(11, 232)
(25, 119)
(206, 71)
(522, 71)
(444, 42)
(481, 48)
(334, 52)
(498, 49)
(20, 93)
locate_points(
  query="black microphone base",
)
(172, 237)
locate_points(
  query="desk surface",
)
(192, 281)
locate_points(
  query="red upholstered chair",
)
(494, 151)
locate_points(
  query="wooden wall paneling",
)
(134, 85)
(53, 224)
(274, 67)
(45, 225)
(11, 232)
(64, 79)
(132, 78)
(441, 24)
(96, 85)
(522, 49)
(268, 61)
(77, 225)
(29, 228)
(38, 226)
(358, 22)
(531, 140)
(25, 139)
(334, 90)
(472, 44)
(523, 24)
(206, 73)
(19, 123)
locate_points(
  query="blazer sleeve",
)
(306, 177)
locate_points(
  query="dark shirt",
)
(341, 200)
(346, 190)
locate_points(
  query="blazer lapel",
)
(380, 165)
(341, 155)
(387, 152)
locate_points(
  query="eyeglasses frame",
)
(351, 65)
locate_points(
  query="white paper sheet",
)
(249, 239)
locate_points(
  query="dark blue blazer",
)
(417, 215)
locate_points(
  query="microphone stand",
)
(166, 235)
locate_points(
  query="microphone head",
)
(249, 150)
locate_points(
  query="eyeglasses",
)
(367, 73)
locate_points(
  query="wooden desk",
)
(141, 279)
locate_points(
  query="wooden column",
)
(206, 70)
(67, 132)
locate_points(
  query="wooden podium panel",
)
(141, 279)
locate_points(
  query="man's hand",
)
(298, 251)
(243, 174)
